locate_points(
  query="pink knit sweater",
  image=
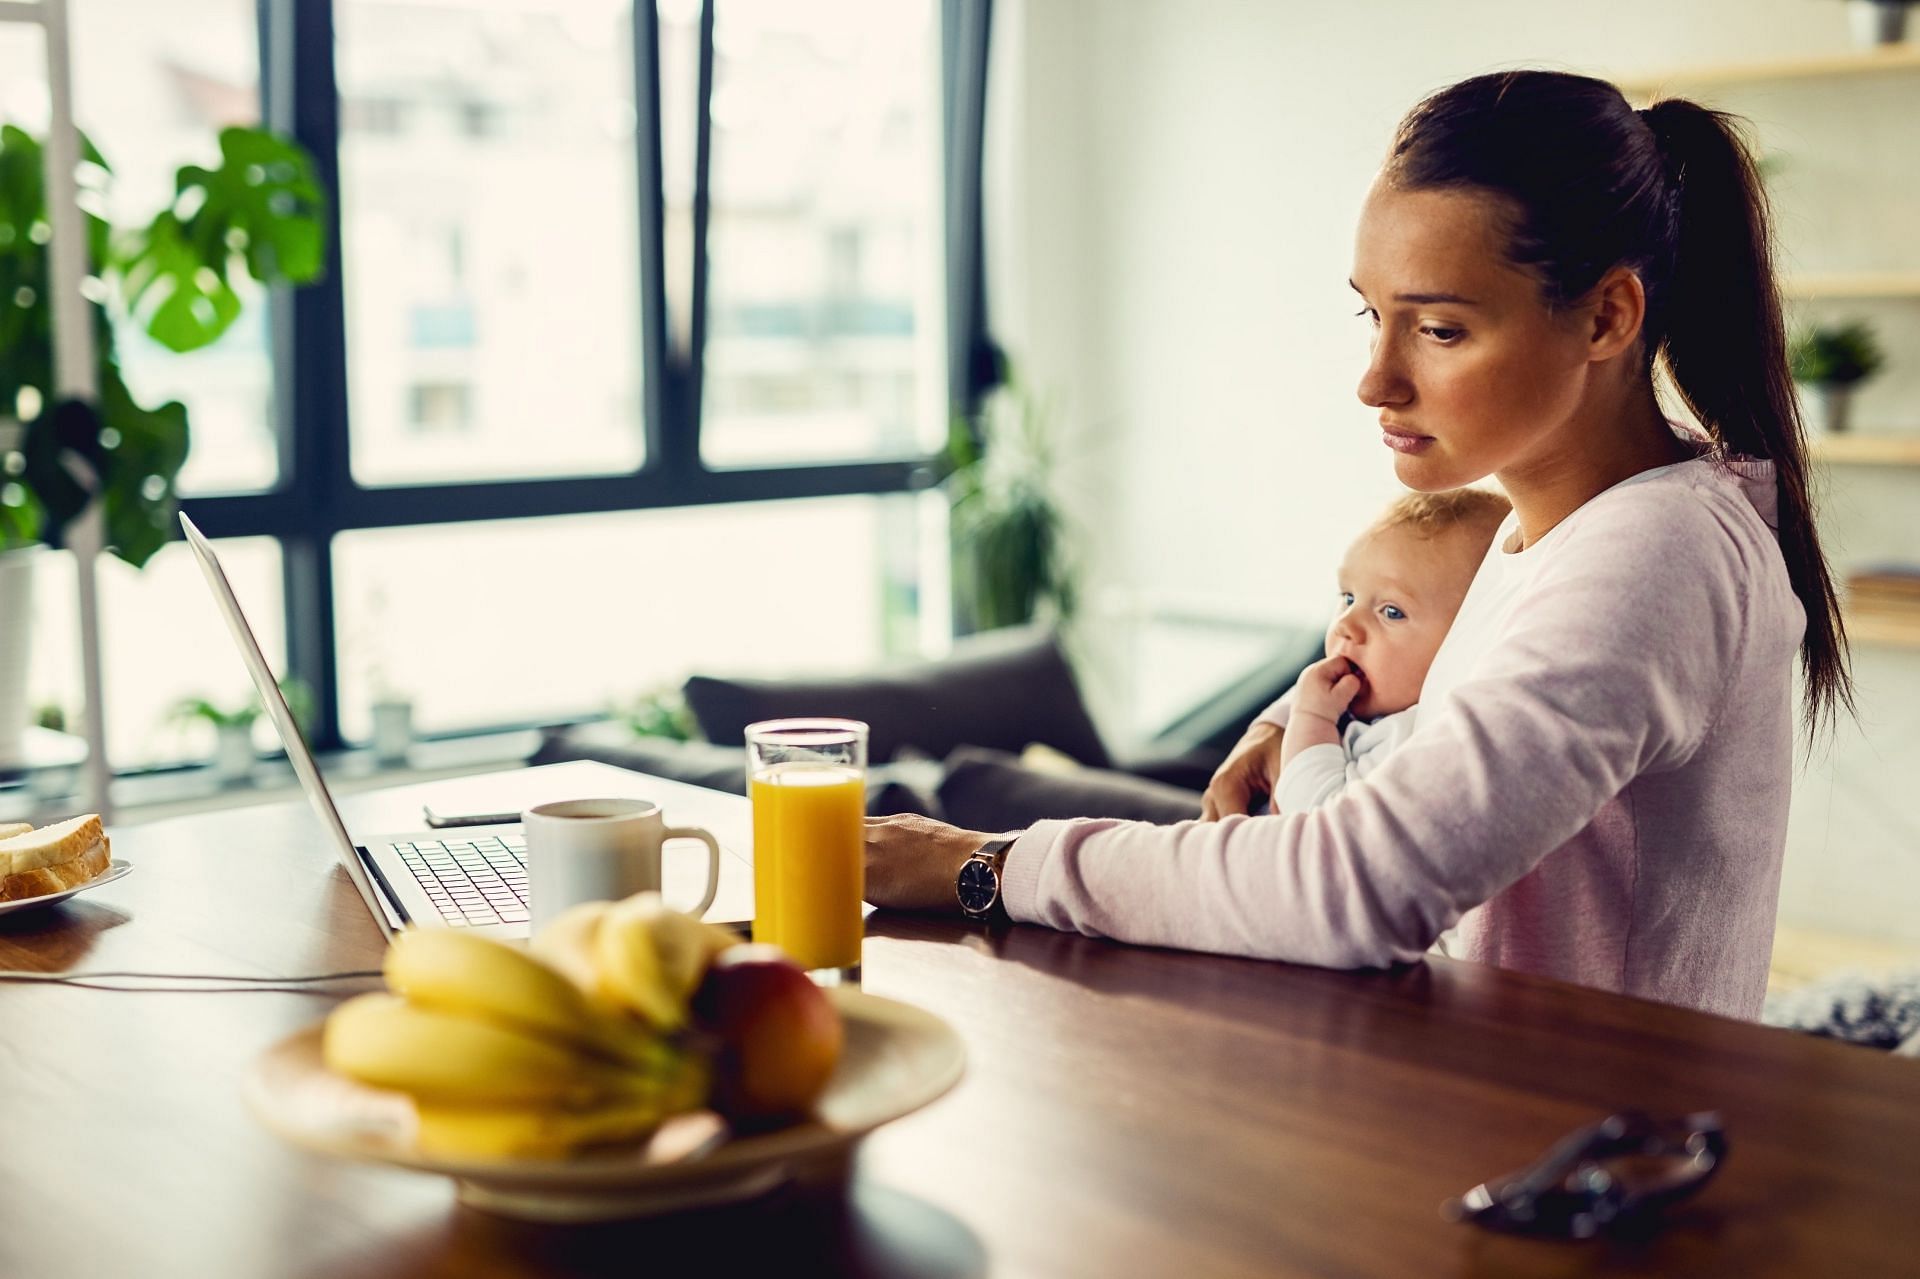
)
(1596, 788)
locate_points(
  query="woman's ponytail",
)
(1720, 332)
(1672, 193)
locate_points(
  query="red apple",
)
(780, 1036)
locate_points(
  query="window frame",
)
(317, 498)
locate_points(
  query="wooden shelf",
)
(1867, 450)
(1868, 627)
(1892, 57)
(1853, 284)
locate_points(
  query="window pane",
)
(525, 620)
(162, 640)
(824, 329)
(488, 226)
(154, 83)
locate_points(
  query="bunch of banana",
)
(638, 955)
(504, 1055)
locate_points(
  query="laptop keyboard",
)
(472, 881)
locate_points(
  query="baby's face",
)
(1398, 594)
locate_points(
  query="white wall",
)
(1172, 190)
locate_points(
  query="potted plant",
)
(232, 724)
(392, 728)
(256, 214)
(50, 781)
(1833, 359)
(661, 713)
(1009, 556)
(391, 708)
(1878, 22)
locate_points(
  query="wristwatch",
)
(978, 884)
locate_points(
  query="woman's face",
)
(1471, 373)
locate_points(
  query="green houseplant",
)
(1878, 22)
(232, 725)
(256, 214)
(1010, 561)
(660, 712)
(1833, 359)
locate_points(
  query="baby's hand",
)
(1326, 688)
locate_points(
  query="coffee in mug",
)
(587, 850)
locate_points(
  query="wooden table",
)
(1125, 1111)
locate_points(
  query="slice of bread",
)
(53, 858)
(50, 845)
(9, 829)
(58, 877)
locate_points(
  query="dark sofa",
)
(947, 736)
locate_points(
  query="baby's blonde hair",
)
(1468, 512)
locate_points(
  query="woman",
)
(1597, 785)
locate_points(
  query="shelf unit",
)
(1864, 625)
(1879, 61)
(1852, 285)
(1867, 450)
(1887, 630)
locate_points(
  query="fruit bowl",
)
(897, 1059)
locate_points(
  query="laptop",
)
(470, 877)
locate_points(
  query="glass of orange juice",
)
(807, 780)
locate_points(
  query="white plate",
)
(898, 1058)
(116, 869)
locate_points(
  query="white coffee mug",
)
(595, 850)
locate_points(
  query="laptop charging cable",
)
(190, 983)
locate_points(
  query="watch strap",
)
(994, 853)
(996, 849)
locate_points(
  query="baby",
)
(1400, 585)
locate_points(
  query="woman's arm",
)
(1612, 667)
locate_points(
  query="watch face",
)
(979, 887)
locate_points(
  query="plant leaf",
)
(20, 515)
(63, 462)
(183, 299)
(260, 208)
(264, 190)
(95, 179)
(26, 346)
(142, 469)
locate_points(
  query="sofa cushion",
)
(1005, 690)
(989, 790)
(721, 768)
(906, 787)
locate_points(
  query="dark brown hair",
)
(1670, 192)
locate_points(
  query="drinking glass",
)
(807, 780)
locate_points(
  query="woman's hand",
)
(913, 863)
(1250, 770)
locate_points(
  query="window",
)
(516, 621)
(488, 223)
(545, 402)
(162, 641)
(153, 85)
(824, 326)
